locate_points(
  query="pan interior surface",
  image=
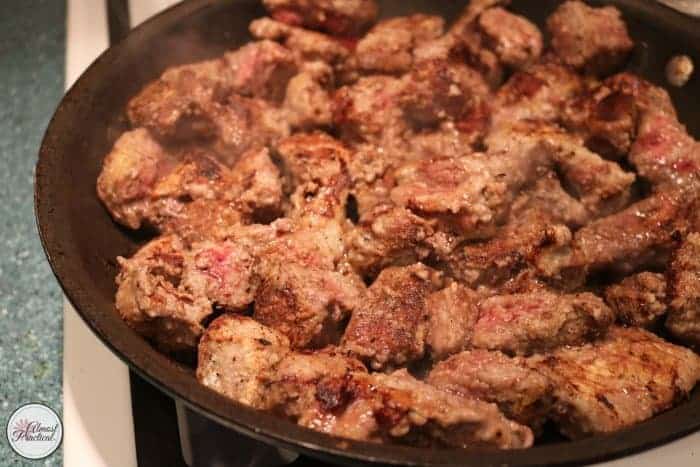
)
(81, 241)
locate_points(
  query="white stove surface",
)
(98, 425)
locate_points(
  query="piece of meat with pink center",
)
(594, 40)
(337, 17)
(520, 392)
(167, 289)
(527, 323)
(222, 272)
(187, 191)
(390, 326)
(308, 100)
(514, 249)
(628, 376)
(452, 313)
(601, 186)
(470, 195)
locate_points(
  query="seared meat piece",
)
(467, 42)
(388, 46)
(196, 207)
(328, 392)
(450, 139)
(168, 288)
(173, 112)
(641, 235)
(190, 101)
(548, 199)
(416, 408)
(527, 323)
(520, 392)
(371, 175)
(304, 292)
(437, 90)
(515, 40)
(606, 114)
(602, 186)
(664, 152)
(150, 300)
(369, 110)
(181, 192)
(468, 195)
(181, 108)
(639, 300)
(452, 313)
(388, 236)
(154, 187)
(539, 93)
(258, 186)
(201, 219)
(390, 326)
(238, 356)
(306, 45)
(623, 379)
(313, 157)
(254, 365)
(398, 407)
(592, 39)
(684, 274)
(308, 101)
(514, 249)
(222, 272)
(310, 388)
(129, 173)
(337, 17)
(258, 69)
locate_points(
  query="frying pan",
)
(81, 241)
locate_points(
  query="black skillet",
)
(81, 241)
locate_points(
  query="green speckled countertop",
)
(32, 49)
